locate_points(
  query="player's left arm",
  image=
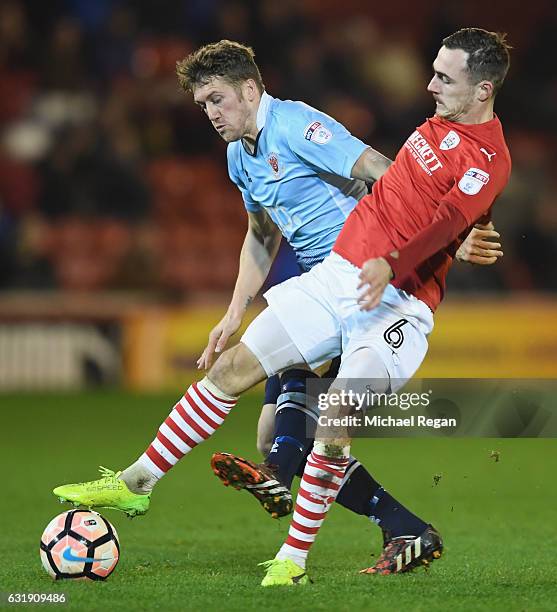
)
(370, 166)
(448, 223)
(481, 246)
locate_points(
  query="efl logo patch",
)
(273, 162)
(472, 181)
(317, 132)
(451, 140)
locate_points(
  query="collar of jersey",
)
(260, 119)
(263, 110)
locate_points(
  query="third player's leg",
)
(266, 428)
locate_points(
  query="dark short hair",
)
(488, 54)
(227, 59)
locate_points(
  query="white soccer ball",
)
(79, 544)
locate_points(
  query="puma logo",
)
(489, 155)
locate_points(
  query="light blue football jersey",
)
(300, 174)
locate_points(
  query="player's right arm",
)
(370, 166)
(260, 247)
(324, 143)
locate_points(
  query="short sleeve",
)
(476, 188)
(321, 141)
(234, 175)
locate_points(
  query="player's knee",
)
(294, 396)
(221, 373)
(236, 370)
(293, 390)
(362, 370)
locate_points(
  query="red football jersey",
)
(462, 165)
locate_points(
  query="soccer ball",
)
(79, 544)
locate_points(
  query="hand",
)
(479, 247)
(218, 338)
(375, 276)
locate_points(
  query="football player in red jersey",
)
(439, 169)
(372, 300)
(377, 292)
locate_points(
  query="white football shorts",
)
(320, 313)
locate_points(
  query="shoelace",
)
(393, 548)
(271, 566)
(108, 474)
(274, 568)
(269, 467)
(270, 471)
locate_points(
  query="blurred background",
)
(120, 231)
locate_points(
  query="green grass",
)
(199, 546)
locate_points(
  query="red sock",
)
(194, 419)
(318, 490)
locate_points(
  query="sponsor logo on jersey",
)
(473, 180)
(273, 162)
(422, 152)
(451, 141)
(317, 132)
(489, 155)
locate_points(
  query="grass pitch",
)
(198, 547)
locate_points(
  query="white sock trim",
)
(210, 386)
(289, 552)
(148, 465)
(321, 448)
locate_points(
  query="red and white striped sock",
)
(318, 490)
(194, 418)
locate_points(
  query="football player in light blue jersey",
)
(300, 173)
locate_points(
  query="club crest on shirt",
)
(473, 180)
(273, 162)
(451, 141)
(318, 133)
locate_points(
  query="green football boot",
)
(283, 573)
(110, 491)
